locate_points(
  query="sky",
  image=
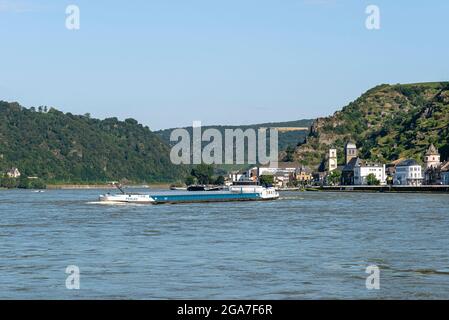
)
(168, 63)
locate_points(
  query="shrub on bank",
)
(22, 183)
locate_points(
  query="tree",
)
(24, 183)
(289, 154)
(61, 147)
(220, 181)
(190, 180)
(203, 173)
(266, 180)
(8, 183)
(372, 180)
(334, 177)
(38, 184)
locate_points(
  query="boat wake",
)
(291, 198)
(113, 203)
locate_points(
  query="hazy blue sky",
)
(169, 62)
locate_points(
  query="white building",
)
(284, 173)
(409, 173)
(13, 173)
(282, 168)
(244, 176)
(363, 169)
(239, 177)
(333, 163)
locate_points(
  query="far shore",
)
(388, 188)
(105, 186)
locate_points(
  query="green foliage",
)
(65, 148)
(289, 154)
(220, 181)
(38, 184)
(25, 183)
(387, 123)
(372, 180)
(203, 173)
(8, 183)
(190, 180)
(285, 139)
(334, 177)
(266, 180)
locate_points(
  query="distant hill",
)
(62, 147)
(388, 122)
(286, 138)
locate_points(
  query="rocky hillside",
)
(388, 122)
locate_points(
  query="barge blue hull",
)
(205, 197)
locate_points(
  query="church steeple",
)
(350, 151)
(432, 157)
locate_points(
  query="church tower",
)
(350, 151)
(332, 159)
(432, 157)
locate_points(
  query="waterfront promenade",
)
(389, 188)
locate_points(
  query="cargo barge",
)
(235, 193)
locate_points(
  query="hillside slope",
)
(62, 147)
(388, 122)
(286, 138)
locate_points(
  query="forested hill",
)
(388, 122)
(63, 147)
(286, 138)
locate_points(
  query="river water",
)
(306, 245)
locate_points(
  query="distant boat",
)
(235, 193)
(204, 188)
(178, 188)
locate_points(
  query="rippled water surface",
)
(304, 246)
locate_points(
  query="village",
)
(354, 172)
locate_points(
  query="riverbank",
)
(393, 189)
(105, 186)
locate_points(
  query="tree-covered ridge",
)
(388, 122)
(62, 147)
(286, 138)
